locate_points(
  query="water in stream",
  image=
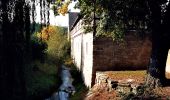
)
(66, 89)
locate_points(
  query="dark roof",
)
(72, 19)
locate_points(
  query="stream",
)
(66, 88)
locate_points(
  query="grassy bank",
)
(81, 89)
(42, 79)
(49, 48)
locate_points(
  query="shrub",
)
(38, 47)
(51, 47)
(58, 45)
(41, 80)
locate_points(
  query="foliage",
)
(51, 40)
(69, 62)
(58, 44)
(15, 44)
(49, 45)
(38, 47)
(64, 8)
(46, 32)
(113, 17)
(41, 79)
(61, 7)
(81, 89)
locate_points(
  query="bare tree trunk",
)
(156, 69)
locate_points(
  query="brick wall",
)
(131, 54)
(100, 54)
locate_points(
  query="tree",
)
(155, 13)
(160, 44)
(14, 45)
(116, 16)
(136, 13)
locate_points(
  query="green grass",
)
(81, 89)
(41, 79)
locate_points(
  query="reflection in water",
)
(66, 89)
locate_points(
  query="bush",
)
(58, 45)
(55, 39)
(51, 47)
(38, 47)
(41, 80)
(81, 89)
(69, 63)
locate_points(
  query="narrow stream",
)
(66, 89)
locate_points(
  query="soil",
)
(101, 92)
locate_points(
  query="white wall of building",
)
(88, 58)
(82, 52)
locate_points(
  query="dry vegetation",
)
(101, 92)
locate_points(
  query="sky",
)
(57, 20)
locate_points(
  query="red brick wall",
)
(131, 54)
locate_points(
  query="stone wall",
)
(131, 54)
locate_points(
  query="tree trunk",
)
(12, 81)
(156, 68)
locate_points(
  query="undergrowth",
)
(78, 83)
